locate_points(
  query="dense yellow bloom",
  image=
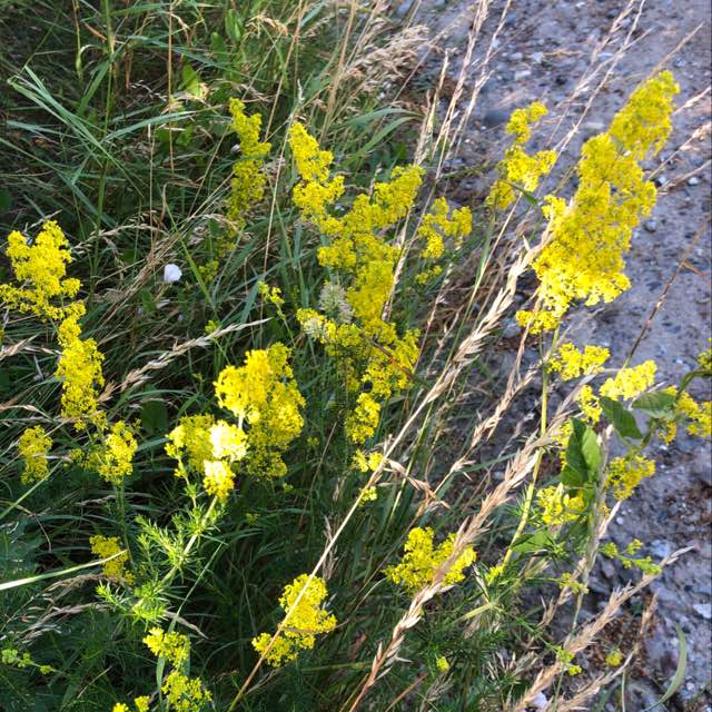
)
(644, 125)
(630, 382)
(367, 494)
(626, 473)
(362, 421)
(191, 437)
(422, 560)
(582, 258)
(113, 458)
(518, 167)
(34, 445)
(183, 693)
(440, 224)
(228, 441)
(40, 268)
(114, 570)
(219, 479)
(79, 370)
(142, 703)
(557, 507)
(367, 463)
(264, 394)
(302, 623)
(248, 179)
(570, 363)
(174, 647)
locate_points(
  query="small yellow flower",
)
(614, 658)
(115, 569)
(228, 441)
(570, 363)
(442, 664)
(557, 507)
(630, 382)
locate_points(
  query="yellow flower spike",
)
(421, 561)
(248, 179)
(174, 647)
(34, 445)
(588, 237)
(79, 370)
(303, 621)
(142, 703)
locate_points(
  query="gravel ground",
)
(543, 51)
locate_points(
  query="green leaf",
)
(571, 477)
(620, 418)
(583, 454)
(191, 80)
(657, 405)
(679, 677)
(538, 540)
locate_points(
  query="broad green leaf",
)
(657, 405)
(620, 418)
(583, 454)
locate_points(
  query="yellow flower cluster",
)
(40, 268)
(626, 473)
(34, 445)
(377, 360)
(557, 507)
(113, 458)
(174, 647)
(422, 560)
(570, 363)
(79, 370)
(264, 394)
(115, 570)
(518, 168)
(203, 444)
(628, 559)
(588, 237)
(304, 620)
(248, 179)
(141, 704)
(699, 415)
(630, 382)
(644, 125)
(440, 224)
(183, 693)
(590, 405)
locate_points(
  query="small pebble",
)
(693, 180)
(522, 74)
(650, 225)
(704, 610)
(172, 273)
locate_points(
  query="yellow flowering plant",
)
(259, 407)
